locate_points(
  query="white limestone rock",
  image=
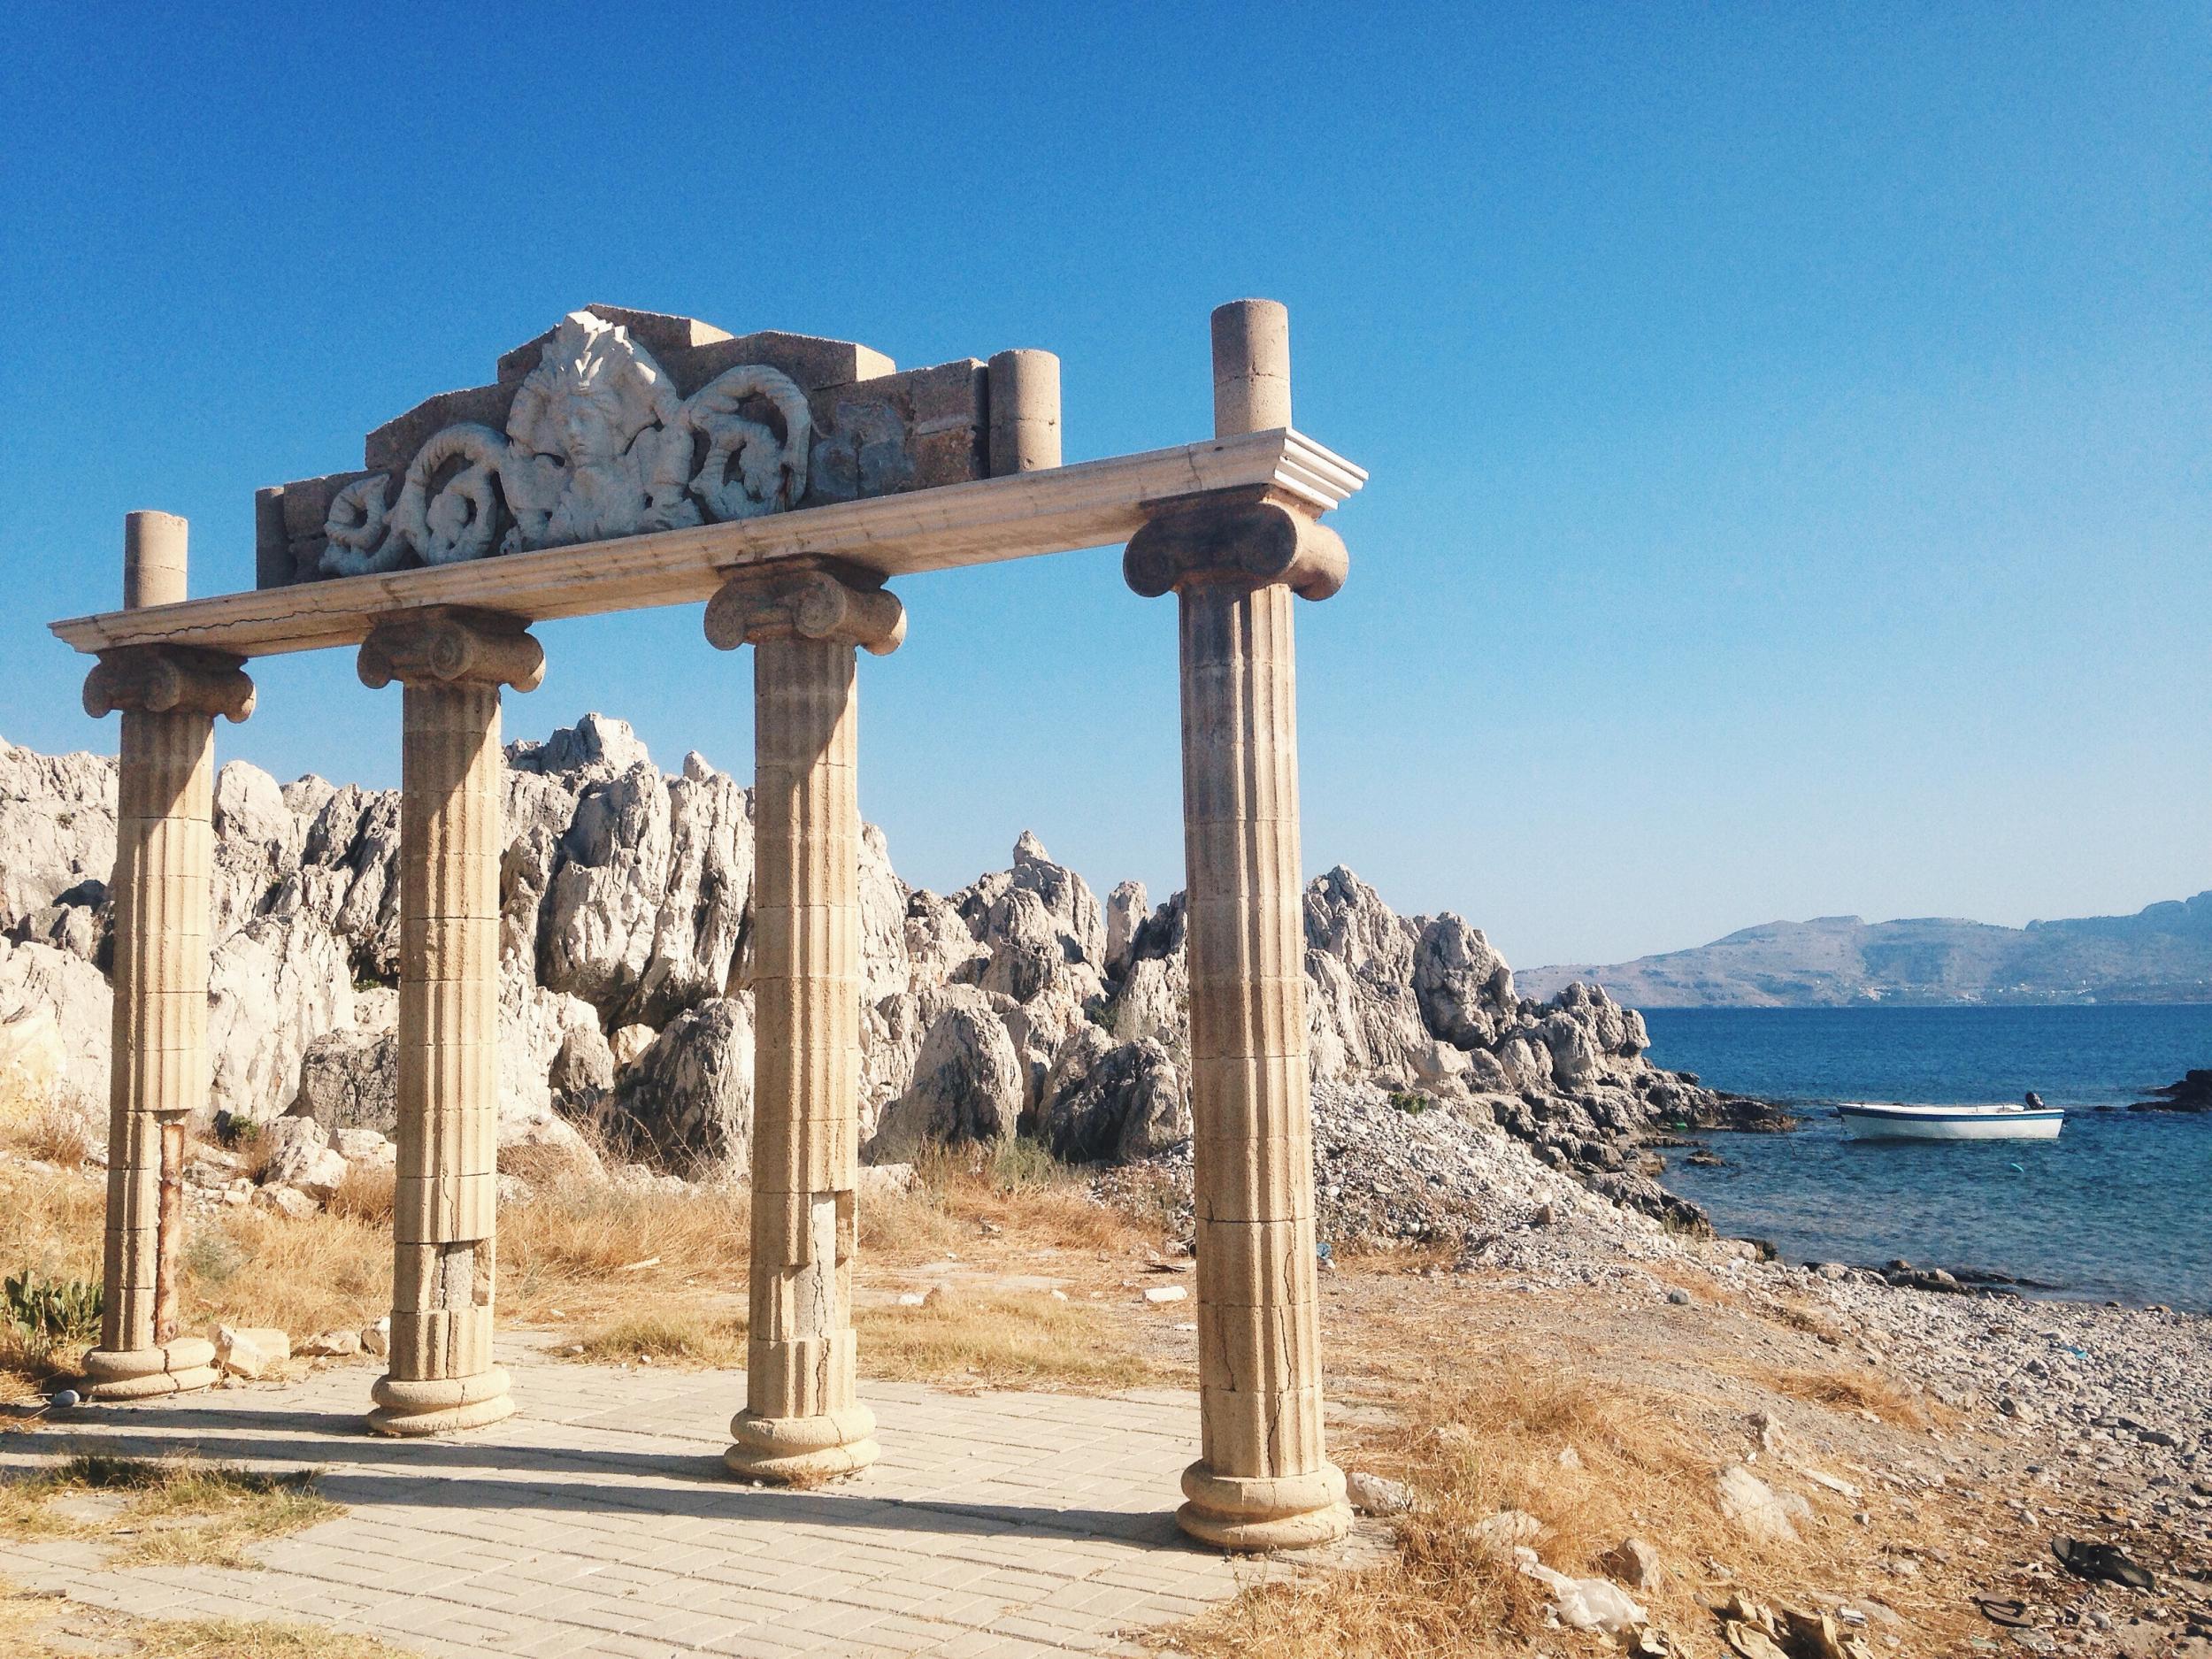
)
(299, 1155)
(33, 1064)
(1128, 1102)
(627, 1045)
(57, 827)
(1756, 1508)
(274, 987)
(967, 1082)
(688, 1099)
(886, 969)
(939, 947)
(256, 845)
(1127, 911)
(1463, 986)
(350, 1081)
(38, 980)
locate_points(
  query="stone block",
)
(250, 1351)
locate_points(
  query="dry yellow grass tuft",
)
(1000, 1339)
(34, 1627)
(684, 1338)
(171, 1512)
(1015, 1190)
(593, 1251)
(1856, 1389)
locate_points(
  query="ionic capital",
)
(447, 646)
(1228, 541)
(776, 603)
(169, 679)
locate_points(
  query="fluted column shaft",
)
(441, 1375)
(802, 1418)
(1263, 1480)
(158, 1071)
(159, 1068)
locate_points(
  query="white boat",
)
(1866, 1120)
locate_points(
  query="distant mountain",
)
(2163, 954)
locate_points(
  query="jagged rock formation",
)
(1018, 1002)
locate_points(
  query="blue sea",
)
(2118, 1208)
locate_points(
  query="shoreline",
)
(1988, 1273)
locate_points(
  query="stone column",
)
(802, 1418)
(1263, 1481)
(164, 844)
(451, 664)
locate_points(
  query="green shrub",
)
(62, 1311)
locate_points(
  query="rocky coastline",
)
(1021, 1003)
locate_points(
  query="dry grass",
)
(34, 1627)
(171, 1512)
(1488, 1437)
(251, 1266)
(594, 1252)
(1015, 1192)
(366, 1194)
(680, 1339)
(964, 1339)
(1854, 1390)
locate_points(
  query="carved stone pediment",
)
(618, 423)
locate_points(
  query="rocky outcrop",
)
(2192, 1093)
(1019, 1001)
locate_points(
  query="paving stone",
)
(597, 1521)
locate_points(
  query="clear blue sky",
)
(1788, 424)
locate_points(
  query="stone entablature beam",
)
(441, 1375)
(803, 1420)
(163, 848)
(1055, 509)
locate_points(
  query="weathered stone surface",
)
(967, 1082)
(57, 827)
(350, 1079)
(299, 1155)
(1757, 1509)
(1127, 1101)
(274, 987)
(33, 1063)
(625, 901)
(688, 1099)
(73, 996)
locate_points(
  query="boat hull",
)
(1879, 1123)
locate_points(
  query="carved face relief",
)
(598, 445)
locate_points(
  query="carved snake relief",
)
(597, 445)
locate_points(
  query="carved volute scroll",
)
(777, 603)
(1234, 542)
(597, 444)
(169, 679)
(447, 646)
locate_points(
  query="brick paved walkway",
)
(599, 1521)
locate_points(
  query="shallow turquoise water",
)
(2119, 1207)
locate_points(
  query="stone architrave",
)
(451, 664)
(1234, 560)
(803, 1420)
(168, 696)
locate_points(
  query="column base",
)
(1266, 1512)
(800, 1451)
(178, 1366)
(440, 1405)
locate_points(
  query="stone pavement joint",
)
(579, 1528)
